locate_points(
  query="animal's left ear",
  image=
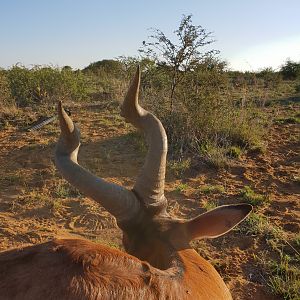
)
(217, 221)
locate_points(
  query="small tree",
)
(290, 70)
(180, 56)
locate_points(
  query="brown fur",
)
(79, 269)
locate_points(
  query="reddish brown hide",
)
(80, 269)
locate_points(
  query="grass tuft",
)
(288, 120)
(210, 204)
(253, 198)
(234, 152)
(212, 189)
(179, 167)
(182, 187)
(65, 190)
(283, 277)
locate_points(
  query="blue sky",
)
(250, 34)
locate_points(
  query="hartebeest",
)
(159, 263)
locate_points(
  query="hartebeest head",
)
(159, 263)
(149, 233)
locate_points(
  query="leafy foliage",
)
(290, 70)
(5, 93)
(189, 89)
(206, 119)
(182, 56)
(44, 83)
(108, 66)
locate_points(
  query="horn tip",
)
(59, 105)
(138, 70)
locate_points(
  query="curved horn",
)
(120, 202)
(149, 186)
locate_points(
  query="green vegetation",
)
(33, 197)
(212, 189)
(107, 243)
(281, 272)
(209, 112)
(138, 140)
(258, 224)
(43, 83)
(179, 167)
(290, 70)
(181, 56)
(210, 204)
(289, 120)
(206, 110)
(253, 198)
(11, 179)
(284, 278)
(56, 206)
(297, 240)
(64, 190)
(214, 155)
(182, 187)
(234, 152)
(5, 92)
(279, 269)
(282, 275)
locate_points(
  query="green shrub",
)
(205, 119)
(110, 67)
(8, 110)
(179, 167)
(270, 77)
(234, 152)
(290, 70)
(5, 94)
(44, 83)
(214, 155)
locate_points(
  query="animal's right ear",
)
(218, 221)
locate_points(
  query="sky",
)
(250, 34)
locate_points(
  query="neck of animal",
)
(197, 278)
(200, 278)
(183, 267)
